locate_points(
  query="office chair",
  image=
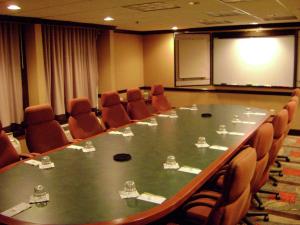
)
(113, 113)
(8, 154)
(159, 101)
(83, 123)
(231, 206)
(136, 106)
(43, 132)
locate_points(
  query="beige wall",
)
(35, 65)
(159, 59)
(105, 45)
(128, 61)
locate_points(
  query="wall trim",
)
(34, 20)
(229, 91)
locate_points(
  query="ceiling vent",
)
(225, 13)
(271, 18)
(214, 22)
(235, 1)
(151, 6)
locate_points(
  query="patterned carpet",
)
(286, 210)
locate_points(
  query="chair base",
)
(259, 202)
(278, 172)
(274, 180)
(277, 195)
(263, 214)
(286, 158)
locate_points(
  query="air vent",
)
(225, 13)
(151, 6)
(235, 1)
(280, 18)
(214, 22)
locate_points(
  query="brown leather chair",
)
(159, 101)
(296, 92)
(113, 113)
(261, 142)
(8, 154)
(280, 125)
(136, 106)
(43, 133)
(291, 107)
(230, 207)
(83, 123)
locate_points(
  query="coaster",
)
(122, 157)
(206, 115)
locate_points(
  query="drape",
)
(70, 56)
(11, 102)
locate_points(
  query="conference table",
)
(84, 187)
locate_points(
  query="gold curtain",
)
(11, 102)
(70, 56)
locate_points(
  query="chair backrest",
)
(43, 133)
(113, 113)
(159, 100)
(279, 125)
(83, 123)
(291, 107)
(236, 197)
(136, 106)
(296, 92)
(8, 153)
(261, 142)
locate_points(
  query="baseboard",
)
(294, 132)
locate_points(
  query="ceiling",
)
(148, 15)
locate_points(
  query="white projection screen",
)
(256, 61)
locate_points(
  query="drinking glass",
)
(222, 128)
(39, 191)
(194, 107)
(46, 160)
(171, 161)
(128, 131)
(236, 118)
(201, 141)
(153, 121)
(129, 186)
(89, 145)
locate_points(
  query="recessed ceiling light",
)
(14, 7)
(108, 18)
(193, 3)
(254, 23)
(174, 28)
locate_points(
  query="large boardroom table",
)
(84, 187)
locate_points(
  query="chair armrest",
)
(26, 155)
(194, 204)
(201, 195)
(76, 140)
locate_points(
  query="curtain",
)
(71, 67)
(11, 102)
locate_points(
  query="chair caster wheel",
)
(275, 184)
(287, 160)
(266, 218)
(281, 174)
(277, 197)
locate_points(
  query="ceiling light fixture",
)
(193, 3)
(13, 7)
(174, 28)
(108, 18)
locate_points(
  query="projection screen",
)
(257, 61)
